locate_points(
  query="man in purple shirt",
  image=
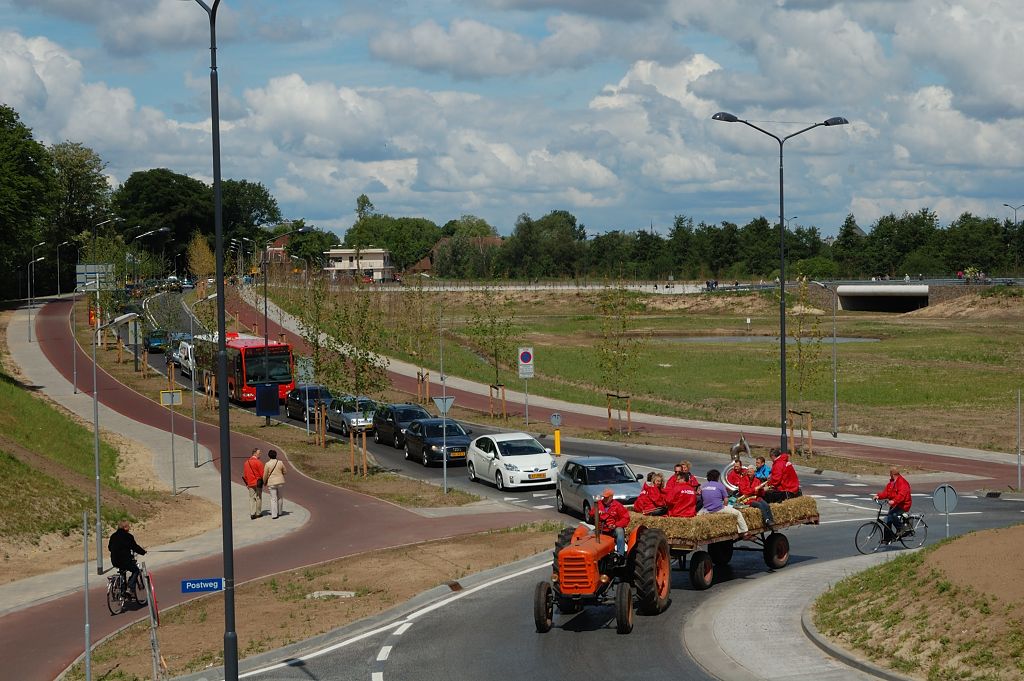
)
(716, 500)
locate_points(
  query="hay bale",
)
(701, 528)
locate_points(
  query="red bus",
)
(250, 362)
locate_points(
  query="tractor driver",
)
(614, 519)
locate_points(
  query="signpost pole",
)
(1018, 439)
(174, 468)
(526, 391)
(85, 590)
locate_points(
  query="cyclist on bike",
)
(122, 547)
(898, 494)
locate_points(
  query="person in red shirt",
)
(652, 499)
(898, 494)
(732, 477)
(682, 501)
(614, 519)
(252, 476)
(748, 487)
(783, 483)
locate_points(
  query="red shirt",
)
(612, 514)
(783, 477)
(651, 497)
(748, 486)
(733, 477)
(252, 471)
(682, 501)
(898, 493)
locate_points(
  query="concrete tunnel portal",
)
(882, 297)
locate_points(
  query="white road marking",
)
(847, 495)
(377, 676)
(402, 629)
(920, 494)
(859, 508)
(822, 484)
(856, 484)
(516, 501)
(511, 499)
(542, 507)
(817, 496)
(1010, 499)
(541, 494)
(968, 496)
(845, 520)
(383, 654)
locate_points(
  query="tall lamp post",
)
(726, 117)
(62, 243)
(835, 381)
(30, 275)
(1016, 261)
(192, 376)
(230, 634)
(135, 323)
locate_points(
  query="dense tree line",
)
(60, 195)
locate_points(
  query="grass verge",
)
(278, 610)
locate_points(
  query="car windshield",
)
(450, 430)
(318, 394)
(520, 447)
(363, 406)
(158, 335)
(410, 414)
(609, 474)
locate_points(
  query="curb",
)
(843, 655)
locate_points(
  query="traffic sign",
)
(443, 404)
(525, 363)
(192, 586)
(556, 419)
(944, 497)
(169, 398)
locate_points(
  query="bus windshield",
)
(278, 368)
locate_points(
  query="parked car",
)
(510, 460)
(582, 480)
(185, 357)
(156, 340)
(300, 401)
(187, 283)
(350, 414)
(434, 440)
(175, 339)
(391, 420)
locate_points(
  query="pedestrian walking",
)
(252, 476)
(273, 479)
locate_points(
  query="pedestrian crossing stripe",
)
(541, 494)
(855, 484)
(847, 495)
(822, 484)
(543, 506)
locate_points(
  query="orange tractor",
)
(586, 571)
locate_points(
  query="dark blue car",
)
(427, 441)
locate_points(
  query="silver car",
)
(582, 479)
(350, 414)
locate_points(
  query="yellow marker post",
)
(558, 442)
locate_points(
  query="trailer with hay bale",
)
(710, 539)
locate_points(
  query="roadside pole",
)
(526, 373)
(85, 590)
(1018, 439)
(169, 398)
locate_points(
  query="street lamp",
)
(62, 243)
(1014, 209)
(30, 275)
(788, 220)
(305, 264)
(230, 635)
(135, 323)
(835, 382)
(192, 376)
(726, 117)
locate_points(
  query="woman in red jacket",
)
(898, 494)
(652, 499)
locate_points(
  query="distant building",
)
(367, 263)
(275, 250)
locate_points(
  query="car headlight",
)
(435, 448)
(403, 430)
(510, 466)
(554, 464)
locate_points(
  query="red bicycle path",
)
(40, 641)
(988, 474)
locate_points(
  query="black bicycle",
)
(120, 596)
(875, 534)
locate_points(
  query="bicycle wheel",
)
(141, 588)
(915, 534)
(114, 601)
(869, 537)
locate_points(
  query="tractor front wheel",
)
(543, 607)
(623, 608)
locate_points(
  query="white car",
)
(510, 460)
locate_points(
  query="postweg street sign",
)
(191, 586)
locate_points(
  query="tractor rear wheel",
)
(623, 608)
(721, 552)
(652, 572)
(702, 570)
(543, 614)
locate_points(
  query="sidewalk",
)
(203, 481)
(976, 463)
(775, 640)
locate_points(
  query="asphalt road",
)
(485, 632)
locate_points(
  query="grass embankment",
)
(331, 464)
(947, 379)
(950, 611)
(278, 610)
(48, 468)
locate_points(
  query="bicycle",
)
(118, 593)
(875, 533)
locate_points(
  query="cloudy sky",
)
(500, 107)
